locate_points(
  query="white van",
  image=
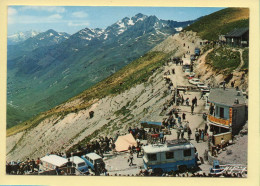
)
(91, 159)
(79, 164)
(50, 162)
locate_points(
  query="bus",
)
(174, 155)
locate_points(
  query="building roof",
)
(225, 97)
(93, 156)
(76, 159)
(237, 32)
(55, 160)
(163, 148)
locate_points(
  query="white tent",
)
(122, 143)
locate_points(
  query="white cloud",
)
(45, 8)
(55, 16)
(73, 23)
(80, 14)
(11, 11)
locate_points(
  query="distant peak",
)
(140, 15)
(51, 31)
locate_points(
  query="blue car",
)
(91, 159)
(80, 164)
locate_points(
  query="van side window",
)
(169, 155)
(152, 157)
(187, 152)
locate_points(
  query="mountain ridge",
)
(53, 74)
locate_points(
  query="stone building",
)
(238, 37)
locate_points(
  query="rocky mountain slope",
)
(133, 94)
(50, 75)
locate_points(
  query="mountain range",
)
(135, 93)
(18, 37)
(48, 69)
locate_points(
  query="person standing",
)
(131, 157)
(182, 133)
(183, 116)
(197, 136)
(206, 128)
(179, 119)
(161, 136)
(187, 101)
(202, 135)
(192, 109)
(69, 166)
(222, 142)
(196, 101)
(178, 134)
(38, 162)
(189, 132)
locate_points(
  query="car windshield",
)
(81, 164)
(99, 160)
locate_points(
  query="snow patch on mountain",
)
(130, 22)
(178, 29)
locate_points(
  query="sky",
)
(71, 19)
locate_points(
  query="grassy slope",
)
(223, 59)
(135, 73)
(220, 22)
(246, 59)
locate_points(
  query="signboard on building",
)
(218, 120)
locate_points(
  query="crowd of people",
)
(21, 167)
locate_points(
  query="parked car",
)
(194, 81)
(202, 86)
(191, 75)
(192, 57)
(184, 67)
(187, 72)
(91, 159)
(197, 52)
(80, 164)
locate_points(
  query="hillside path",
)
(241, 60)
